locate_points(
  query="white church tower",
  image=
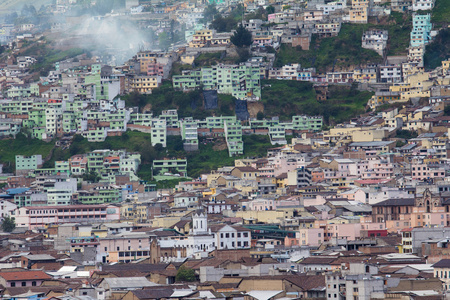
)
(200, 224)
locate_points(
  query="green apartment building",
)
(16, 107)
(100, 196)
(159, 132)
(189, 134)
(170, 166)
(219, 122)
(307, 122)
(23, 91)
(171, 117)
(95, 160)
(233, 136)
(28, 163)
(241, 81)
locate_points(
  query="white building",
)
(391, 74)
(422, 5)
(375, 40)
(202, 240)
(159, 132)
(7, 209)
(332, 6)
(231, 237)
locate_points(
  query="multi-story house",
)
(202, 38)
(189, 134)
(170, 166)
(27, 164)
(144, 84)
(390, 73)
(159, 132)
(40, 216)
(327, 29)
(375, 40)
(418, 5)
(420, 34)
(231, 237)
(331, 7)
(240, 81)
(233, 137)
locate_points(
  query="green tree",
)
(221, 24)
(209, 13)
(242, 37)
(164, 40)
(185, 274)
(8, 224)
(92, 176)
(260, 115)
(270, 9)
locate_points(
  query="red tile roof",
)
(24, 275)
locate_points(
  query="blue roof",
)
(16, 191)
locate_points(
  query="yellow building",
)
(134, 211)
(364, 76)
(358, 15)
(369, 135)
(144, 84)
(413, 93)
(445, 66)
(265, 216)
(335, 134)
(201, 38)
(168, 221)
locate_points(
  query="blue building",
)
(420, 34)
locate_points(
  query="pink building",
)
(350, 231)
(262, 204)
(33, 217)
(358, 195)
(422, 171)
(378, 169)
(124, 247)
(155, 69)
(310, 236)
(371, 226)
(281, 163)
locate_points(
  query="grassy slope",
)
(440, 16)
(200, 161)
(438, 50)
(165, 97)
(288, 98)
(6, 6)
(21, 146)
(345, 50)
(47, 56)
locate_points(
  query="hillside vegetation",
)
(209, 156)
(344, 51)
(440, 16)
(438, 50)
(286, 98)
(189, 104)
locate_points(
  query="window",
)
(24, 283)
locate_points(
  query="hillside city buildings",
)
(356, 210)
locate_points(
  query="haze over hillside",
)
(7, 6)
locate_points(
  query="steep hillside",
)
(344, 51)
